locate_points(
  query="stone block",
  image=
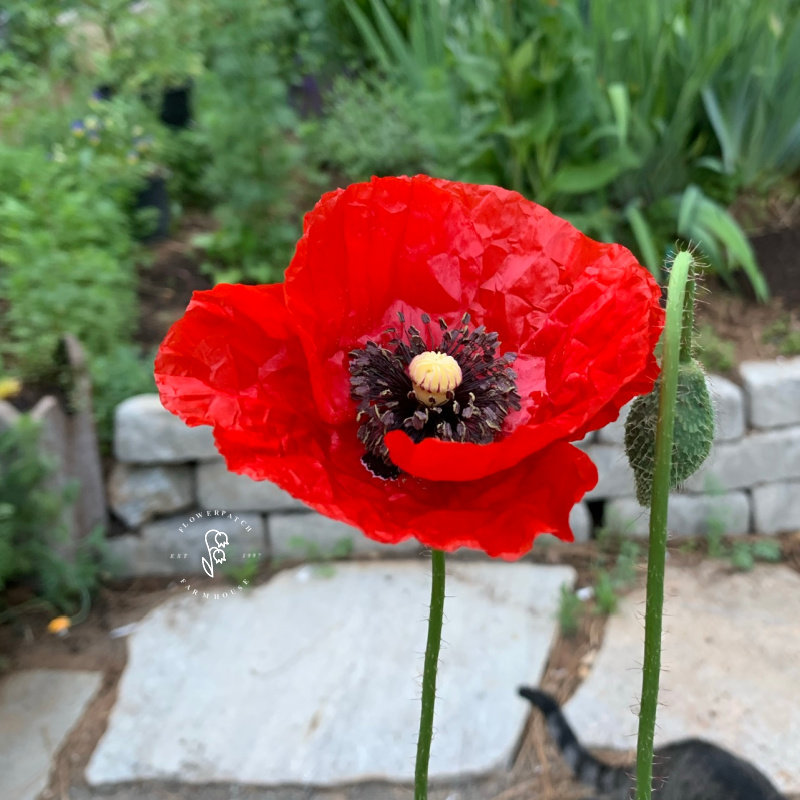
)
(614, 432)
(146, 433)
(178, 545)
(580, 521)
(311, 535)
(615, 474)
(38, 709)
(729, 410)
(139, 493)
(590, 438)
(760, 457)
(689, 515)
(773, 392)
(219, 488)
(776, 507)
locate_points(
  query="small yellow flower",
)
(59, 626)
(9, 387)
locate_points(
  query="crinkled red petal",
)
(234, 361)
(500, 515)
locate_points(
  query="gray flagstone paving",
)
(731, 668)
(38, 709)
(313, 677)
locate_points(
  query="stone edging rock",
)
(164, 470)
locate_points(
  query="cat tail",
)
(585, 767)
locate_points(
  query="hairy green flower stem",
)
(676, 346)
(687, 329)
(429, 677)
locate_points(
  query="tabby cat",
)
(688, 770)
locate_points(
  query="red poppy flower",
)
(520, 334)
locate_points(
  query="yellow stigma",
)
(434, 375)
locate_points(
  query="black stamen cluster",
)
(474, 411)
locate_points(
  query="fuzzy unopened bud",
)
(693, 433)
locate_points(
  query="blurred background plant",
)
(643, 124)
(32, 533)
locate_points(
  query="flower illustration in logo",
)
(221, 539)
(216, 551)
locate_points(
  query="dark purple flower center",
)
(473, 411)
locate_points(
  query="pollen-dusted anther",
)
(458, 389)
(435, 376)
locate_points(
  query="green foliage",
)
(186, 157)
(312, 551)
(247, 124)
(153, 48)
(117, 375)
(34, 35)
(605, 593)
(744, 554)
(32, 532)
(115, 142)
(716, 532)
(372, 128)
(570, 611)
(742, 557)
(244, 574)
(609, 584)
(693, 432)
(753, 101)
(785, 335)
(766, 550)
(66, 261)
(595, 110)
(716, 354)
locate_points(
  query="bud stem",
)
(687, 331)
(674, 346)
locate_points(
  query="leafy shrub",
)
(66, 262)
(372, 128)
(153, 47)
(31, 525)
(244, 116)
(716, 354)
(593, 109)
(570, 611)
(117, 375)
(753, 101)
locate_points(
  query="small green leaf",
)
(578, 179)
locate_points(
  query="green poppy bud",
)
(694, 431)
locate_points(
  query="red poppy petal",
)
(595, 352)
(233, 360)
(500, 515)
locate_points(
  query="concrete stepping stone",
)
(731, 668)
(38, 709)
(313, 678)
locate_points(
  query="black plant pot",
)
(155, 195)
(176, 106)
(104, 92)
